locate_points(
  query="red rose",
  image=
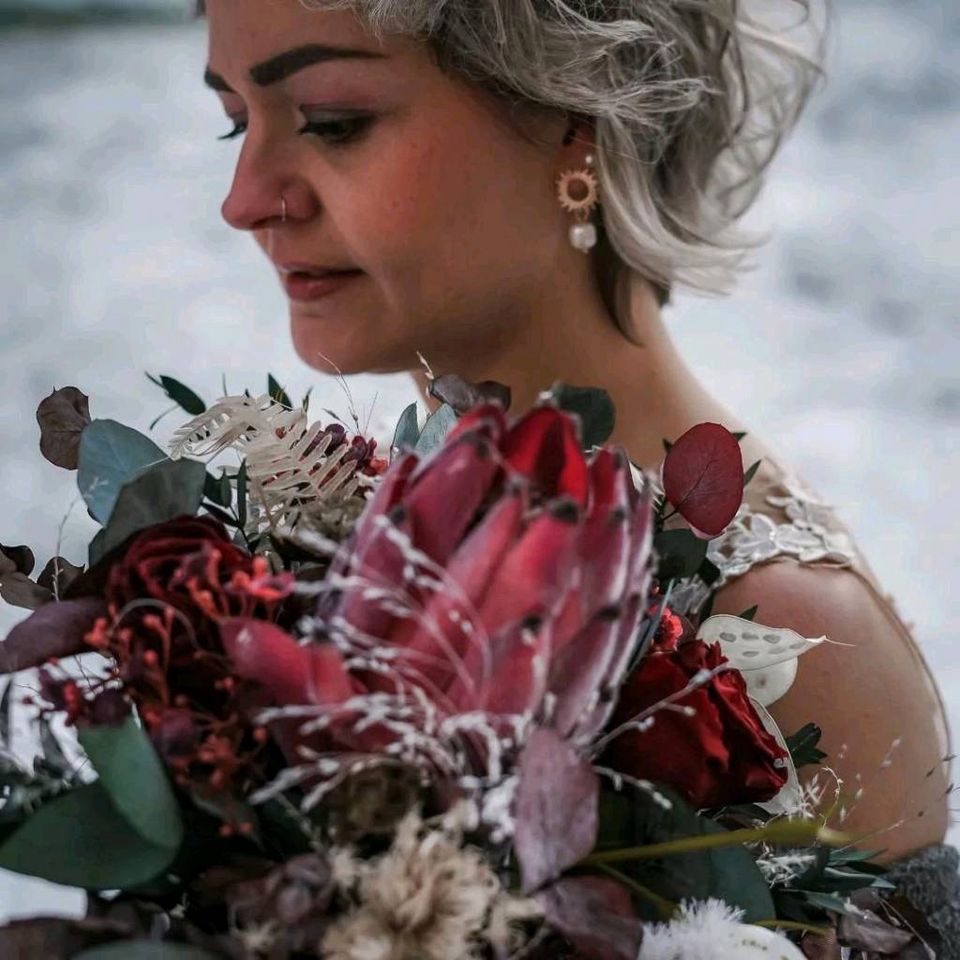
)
(721, 755)
(166, 596)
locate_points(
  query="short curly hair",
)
(689, 101)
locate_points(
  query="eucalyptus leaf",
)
(95, 552)
(16, 559)
(19, 590)
(62, 418)
(168, 490)
(131, 773)
(79, 839)
(111, 455)
(408, 431)
(593, 407)
(438, 425)
(58, 574)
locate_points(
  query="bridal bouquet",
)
(430, 705)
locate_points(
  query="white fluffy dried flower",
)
(713, 930)
(427, 898)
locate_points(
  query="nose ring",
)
(283, 207)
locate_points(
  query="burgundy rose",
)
(505, 574)
(164, 598)
(722, 754)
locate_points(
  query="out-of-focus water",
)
(841, 348)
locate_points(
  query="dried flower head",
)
(427, 898)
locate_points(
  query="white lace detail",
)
(753, 538)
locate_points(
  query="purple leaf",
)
(61, 571)
(19, 590)
(556, 809)
(62, 418)
(16, 559)
(868, 932)
(595, 914)
(55, 630)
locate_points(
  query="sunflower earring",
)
(578, 193)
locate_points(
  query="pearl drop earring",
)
(578, 192)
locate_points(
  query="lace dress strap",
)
(781, 518)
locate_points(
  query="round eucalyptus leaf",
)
(111, 455)
(81, 840)
(131, 773)
(170, 489)
(436, 428)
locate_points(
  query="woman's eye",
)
(340, 131)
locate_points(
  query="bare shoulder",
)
(871, 692)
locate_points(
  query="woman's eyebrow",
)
(285, 64)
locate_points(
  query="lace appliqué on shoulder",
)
(811, 535)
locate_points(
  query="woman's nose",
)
(265, 192)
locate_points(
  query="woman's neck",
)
(656, 395)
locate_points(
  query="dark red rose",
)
(721, 755)
(191, 564)
(165, 598)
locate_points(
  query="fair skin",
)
(453, 219)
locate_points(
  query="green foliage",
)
(132, 774)
(120, 831)
(631, 818)
(751, 472)
(435, 430)
(242, 495)
(182, 396)
(681, 553)
(169, 489)
(277, 392)
(218, 491)
(111, 455)
(593, 407)
(803, 746)
(408, 432)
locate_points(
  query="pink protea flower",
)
(500, 580)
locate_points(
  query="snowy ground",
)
(841, 348)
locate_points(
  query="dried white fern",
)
(285, 482)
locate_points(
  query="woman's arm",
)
(866, 697)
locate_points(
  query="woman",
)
(513, 190)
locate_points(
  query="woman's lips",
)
(304, 288)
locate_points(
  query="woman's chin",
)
(344, 346)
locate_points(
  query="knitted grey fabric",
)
(930, 880)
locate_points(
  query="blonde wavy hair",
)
(689, 101)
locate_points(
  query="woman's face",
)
(410, 176)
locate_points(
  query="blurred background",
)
(841, 348)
